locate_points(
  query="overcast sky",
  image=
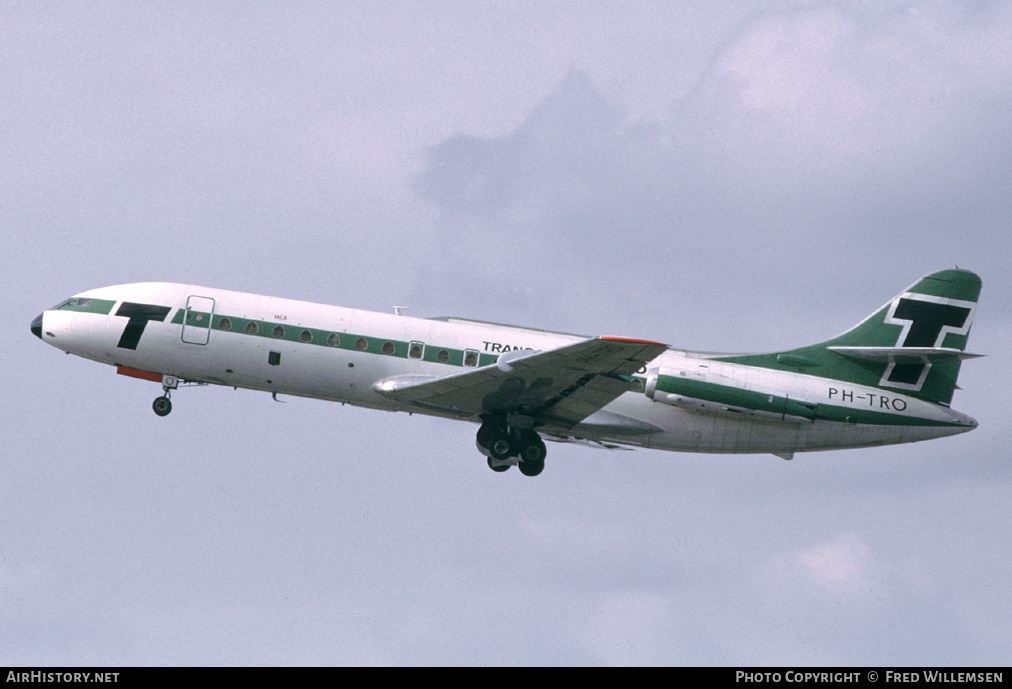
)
(742, 176)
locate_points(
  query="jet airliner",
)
(889, 379)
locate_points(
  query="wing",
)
(558, 388)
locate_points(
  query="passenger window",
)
(388, 348)
(334, 340)
(471, 358)
(305, 336)
(443, 356)
(225, 324)
(278, 331)
(415, 350)
(361, 344)
(252, 328)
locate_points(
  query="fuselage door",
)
(197, 320)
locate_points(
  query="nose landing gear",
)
(163, 405)
(505, 446)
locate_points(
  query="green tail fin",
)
(913, 344)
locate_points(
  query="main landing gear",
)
(505, 446)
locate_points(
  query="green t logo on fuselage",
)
(139, 315)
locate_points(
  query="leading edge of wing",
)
(564, 385)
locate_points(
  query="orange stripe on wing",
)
(630, 340)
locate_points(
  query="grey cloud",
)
(822, 144)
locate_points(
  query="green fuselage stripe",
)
(315, 336)
(777, 404)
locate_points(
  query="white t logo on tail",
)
(925, 322)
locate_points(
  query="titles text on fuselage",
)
(500, 347)
(875, 401)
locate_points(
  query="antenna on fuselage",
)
(397, 310)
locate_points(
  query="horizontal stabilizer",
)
(904, 355)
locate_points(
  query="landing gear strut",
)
(505, 446)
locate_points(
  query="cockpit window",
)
(85, 304)
(76, 301)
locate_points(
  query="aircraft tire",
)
(162, 406)
(494, 441)
(498, 468)
(532, 448)
(484, 437)
(531, 468)
(532, 454)
(500, 448)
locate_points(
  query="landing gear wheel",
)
(484, 437)
(500, 448)
(162, 406)
(532, 449)
(494, 441)
(531, 468)
(532, 454)
(497, 467)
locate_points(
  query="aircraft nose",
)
(37, 326)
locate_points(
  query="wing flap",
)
(590, 394)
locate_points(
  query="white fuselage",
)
(374, 347)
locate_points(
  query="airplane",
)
(889, 379)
